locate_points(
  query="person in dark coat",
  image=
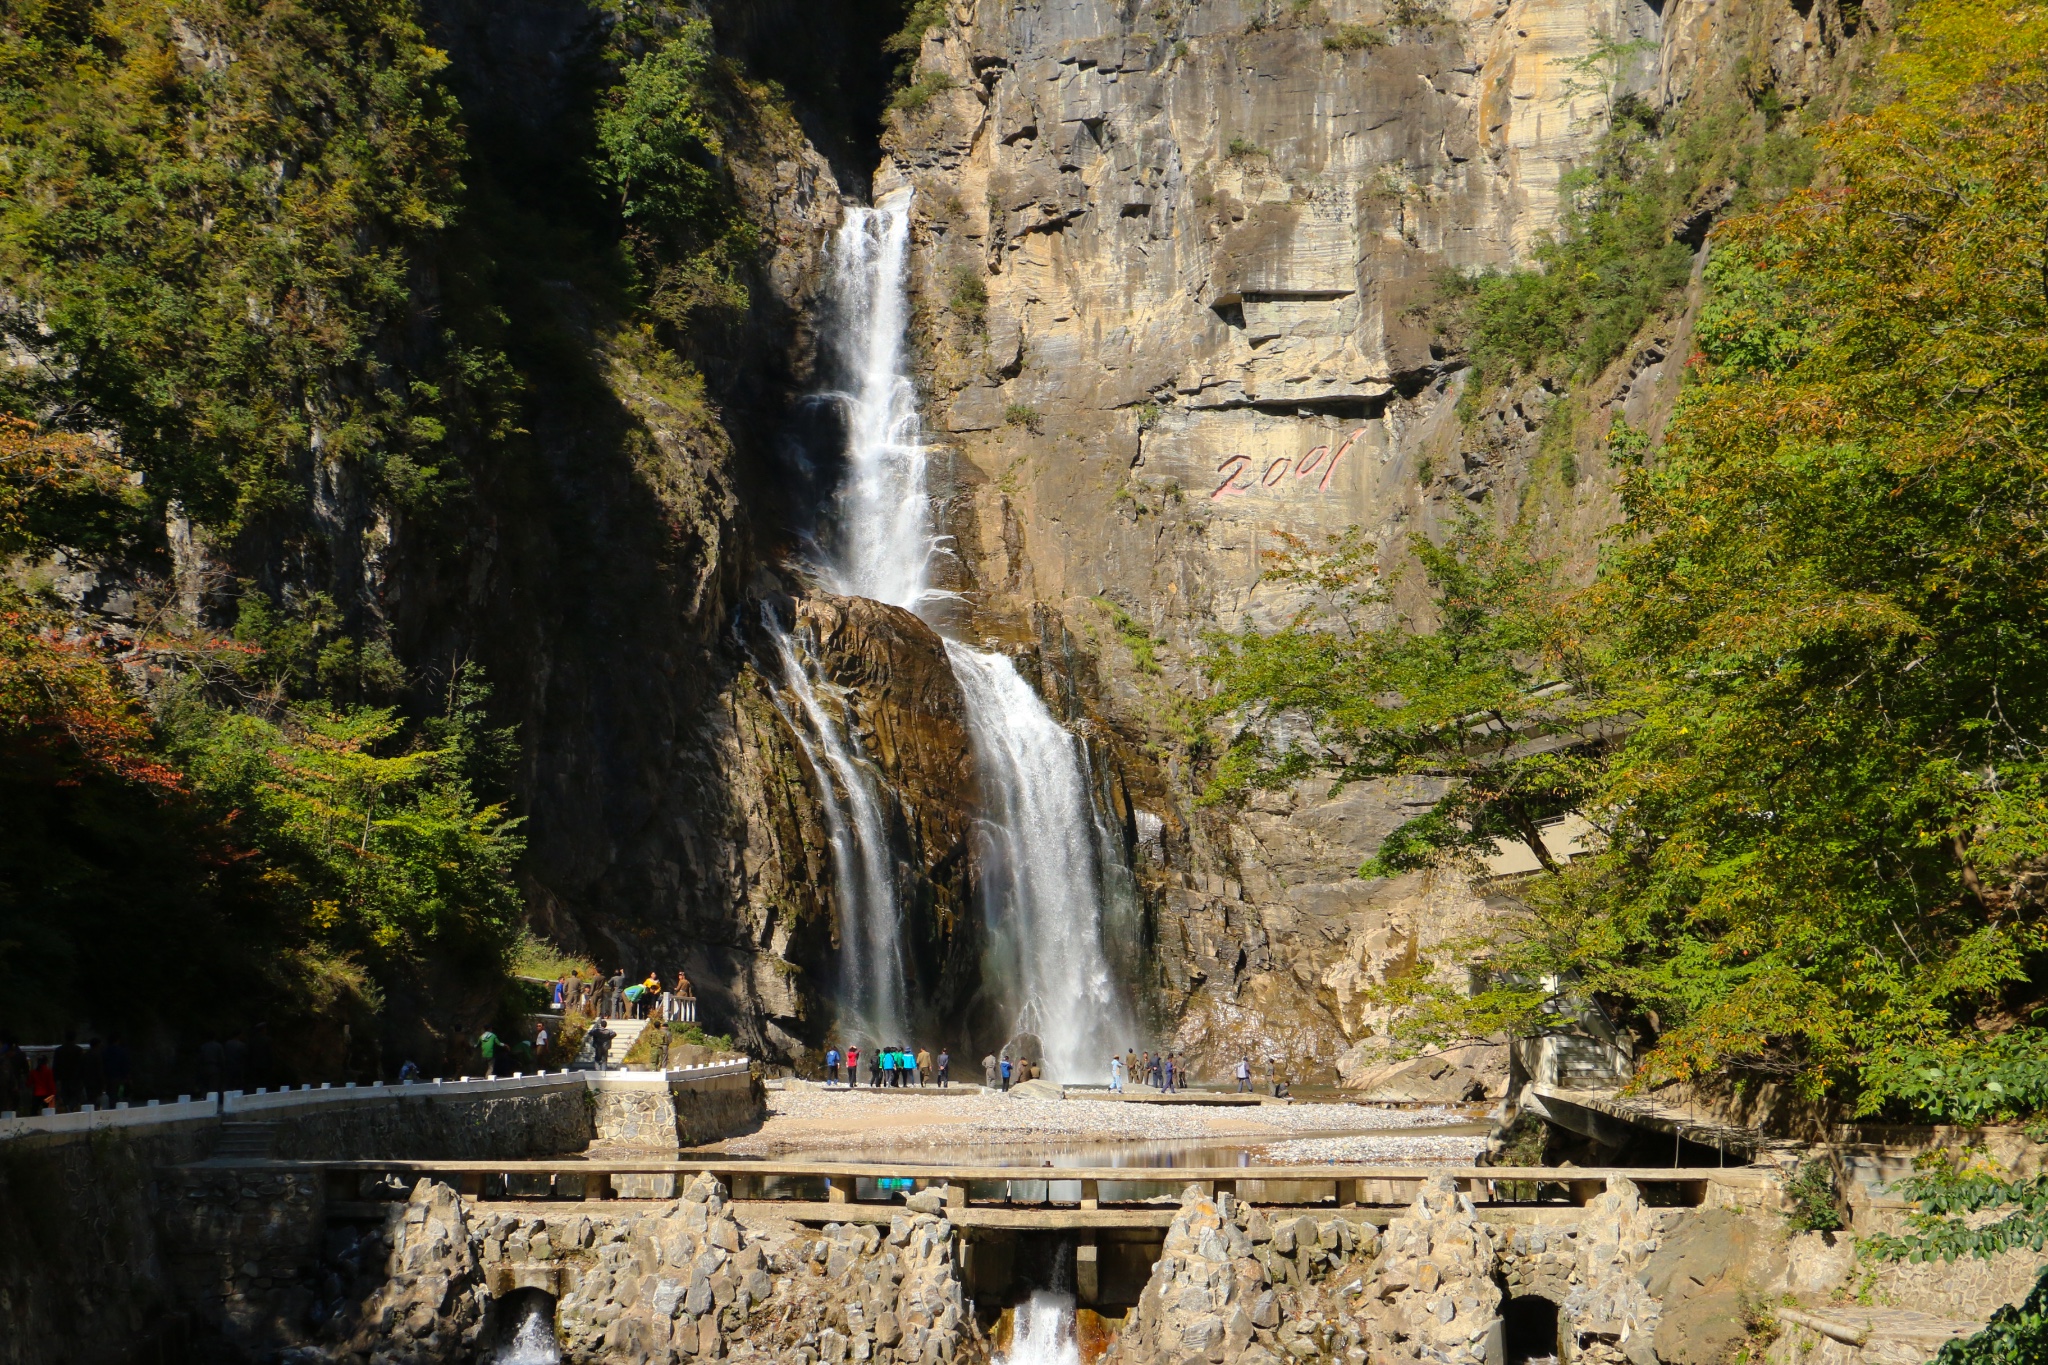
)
(600, 1036)
(14, 1091)
(69, 1066)
(209, 1065)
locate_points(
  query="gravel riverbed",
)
(1369, 1148)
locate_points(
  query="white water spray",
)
(1044, 1332)
(534, 1342)
(871, 956)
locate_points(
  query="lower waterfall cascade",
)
(871, 976)
(1041, 862)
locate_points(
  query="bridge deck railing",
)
(262, 1104)
(1081, 1186)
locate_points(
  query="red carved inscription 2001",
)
(1320, 459)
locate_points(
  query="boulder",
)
(1475, 1072)
(1439, 1300)
(1038, 1090)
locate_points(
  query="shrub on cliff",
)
(208, 223)
(1618, 254)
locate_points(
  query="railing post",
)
(1091, 1196)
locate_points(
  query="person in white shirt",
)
(1116, 1075)
(1244, 1075)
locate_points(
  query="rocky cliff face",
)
(903, 706)
(1174, 266)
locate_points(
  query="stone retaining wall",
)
(661, 1119)
(110, 1239)
(424, 1126)
(236, 1245)
(83, 1278)
(655, 1285)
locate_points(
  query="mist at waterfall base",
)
(533, 1341)
(1049, 867)
(1044, 1332)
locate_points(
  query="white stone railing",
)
(261, 1104)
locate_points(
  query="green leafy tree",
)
(380, 844)
(660, 146)
(1832, 587)
(1485, 692)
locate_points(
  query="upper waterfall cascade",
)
(1044, 861)
(883, 537)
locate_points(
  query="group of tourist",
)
(889, 1066)
(1002, 1073)
(613, 997)
(522, 1055)
(899, 1066)
(1163, 1071)
(72, 1075)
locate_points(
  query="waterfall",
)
(1048, 864)
(884, 538)
(870, 953)
(1044, 1332)
(1042, 866)
(533, 1342)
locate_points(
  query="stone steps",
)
(246, 1141)
(625, 1033)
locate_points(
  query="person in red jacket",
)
(852, 1065)
(42, 1083)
